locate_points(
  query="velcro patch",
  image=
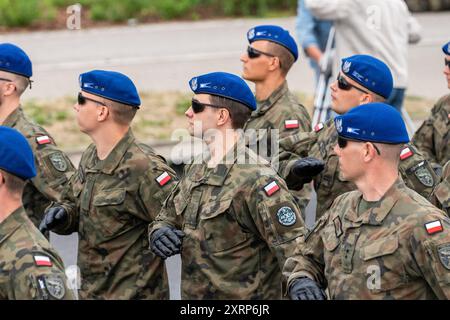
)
(444, 255)
(42, 261)
(291, 124)
(43, 140)
(271, 188)
(406, 153)
(318, 127)
(434, 227)
(163, 178)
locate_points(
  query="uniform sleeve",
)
(38, 276)
(308, 259)
(424, 137)
(330, 9)
(272, 213)
(430, 246)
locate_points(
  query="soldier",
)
(363, 79)
(270, 55)
(240, 221)
(382, 241)
(30, 268)
(433, 137)
(116, 192)
(53, 166)
(441, 194)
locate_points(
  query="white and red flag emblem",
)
(163, 179)
(271, 188)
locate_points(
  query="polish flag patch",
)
(433, 227)
(406, 153)
(291, 124)
(271, 188)
(163, 179)
(43, 140)
(42, 261)
(318, 127)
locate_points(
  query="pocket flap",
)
(109, 197)
(380, 247)
(214, 208)
(179, 203)
(329, 238)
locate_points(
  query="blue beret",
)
(369, 72)
(374, 122)
(446, 48)
(275, 34)
(16, 156)
(225, 85)
(15, 60)
(110, 85)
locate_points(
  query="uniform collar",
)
(375, 216)
(114, 158)
(12, 223)
(265, 105)
(13, 117)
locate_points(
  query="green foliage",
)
(182, 105)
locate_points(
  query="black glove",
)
(303, 171)
(166, 241)
(306, 289)
(52, 218)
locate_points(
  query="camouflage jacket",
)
(433, 137)
(415, 170)
(397, 250)
(282, 112)
(29, 267)
(110, 203)
(53, 167)
(441, 194)
(241, 224)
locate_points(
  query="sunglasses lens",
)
(342, 143)
(81, 99)
(343, 84)
(447, 62)
(252, 53)
(197, 107)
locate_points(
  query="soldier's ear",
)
(102, 113)
(224, 116)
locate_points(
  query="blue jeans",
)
(396, 98)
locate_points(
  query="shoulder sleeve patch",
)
(163, 179)
(318, 127)
(271, 188)
(291, 124)
(406, 153)
(434, 227)
(42, 261)
(43, 140)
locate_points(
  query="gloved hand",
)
(303, 171)
(52, 218)
(306, 289)
(166, 241)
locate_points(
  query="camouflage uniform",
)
(30, 268)
(53, 167)
(281, 111)
(110, 203)
(415, 170)
(238, 233)
(441, 194)
(433, 137)
(390, 251)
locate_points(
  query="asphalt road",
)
(165, 56)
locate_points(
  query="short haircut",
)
(13, 183)
(286, 57)
(122, 113)
(391, 152)
(239, 113)
(21, 83)
(378, 98)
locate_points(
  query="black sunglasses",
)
(255, 53)
(82, 100)
(447, 62)
(342, 143)
(345, 85)
(198, 106)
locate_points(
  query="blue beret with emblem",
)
(110, 85)
(446, 48)
(374, 122)
(15, 60)
(274, 34)
(370, 72)
(16, 156)
(225, 85)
